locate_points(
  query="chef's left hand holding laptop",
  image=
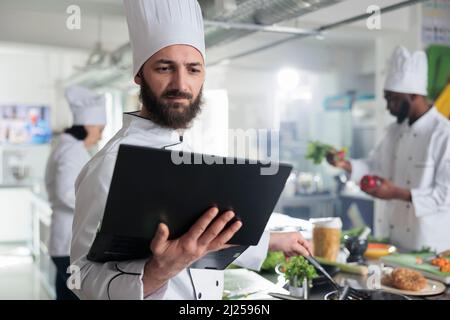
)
(168, 45)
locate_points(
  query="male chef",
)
(167, 40)
(413, 160)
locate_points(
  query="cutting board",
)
(409, 261)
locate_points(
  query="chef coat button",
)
(379, 220)
(415, 135)
(199, 295)
(410, 158)
(408, 230)
(217, 283)
(408, 182)
(408, 206)
(391, 226)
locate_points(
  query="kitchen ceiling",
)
(257, 12)
(43, 22)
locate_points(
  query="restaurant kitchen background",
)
(311, 70)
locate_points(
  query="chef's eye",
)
(164, 69)
(196, 70)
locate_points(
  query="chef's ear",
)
(138, 77)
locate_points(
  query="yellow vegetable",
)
(443, 102)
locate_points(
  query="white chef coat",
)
(415, 157)
(63, 166)
(123, 280)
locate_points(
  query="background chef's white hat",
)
(88, 107)
(156, 24)
(408, 73)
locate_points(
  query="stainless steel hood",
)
(252, 12)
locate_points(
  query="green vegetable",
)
(346, 267)
(354, 232)
(378, 240)
(297, 269)
(318, 151)
(272, 260)
(423, 250)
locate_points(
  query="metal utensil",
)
(344, 293)
(283, 296)
(350, 293)
(317, 265)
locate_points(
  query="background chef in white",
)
(413, 159)
(65, 162)
(167, 39)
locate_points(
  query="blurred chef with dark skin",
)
(413, 160)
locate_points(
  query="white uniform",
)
(65, 163)
(417, 158)
(123, 280)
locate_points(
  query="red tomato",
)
(369, 182)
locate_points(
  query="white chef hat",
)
(88, 107)
(408, 73)
(156, 24)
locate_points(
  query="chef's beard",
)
(403, 113)
(168, 114)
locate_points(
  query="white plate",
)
(433, 288)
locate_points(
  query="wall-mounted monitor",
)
(24, 124)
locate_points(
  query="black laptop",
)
(150, 186)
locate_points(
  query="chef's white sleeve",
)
(68, 167)
(372, 164)
(360, 168)
(435, 199)
(254, 256)
(108, 281)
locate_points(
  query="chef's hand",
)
(170, 257)
(340, 163)
(290, 243)
(388, 191)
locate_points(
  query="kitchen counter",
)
(25, 218)
(319, 292)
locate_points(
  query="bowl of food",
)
(378, 250)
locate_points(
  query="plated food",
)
(410, 282)
(405, 279)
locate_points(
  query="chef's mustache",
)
(175, 93)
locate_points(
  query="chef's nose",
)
(180, 81)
